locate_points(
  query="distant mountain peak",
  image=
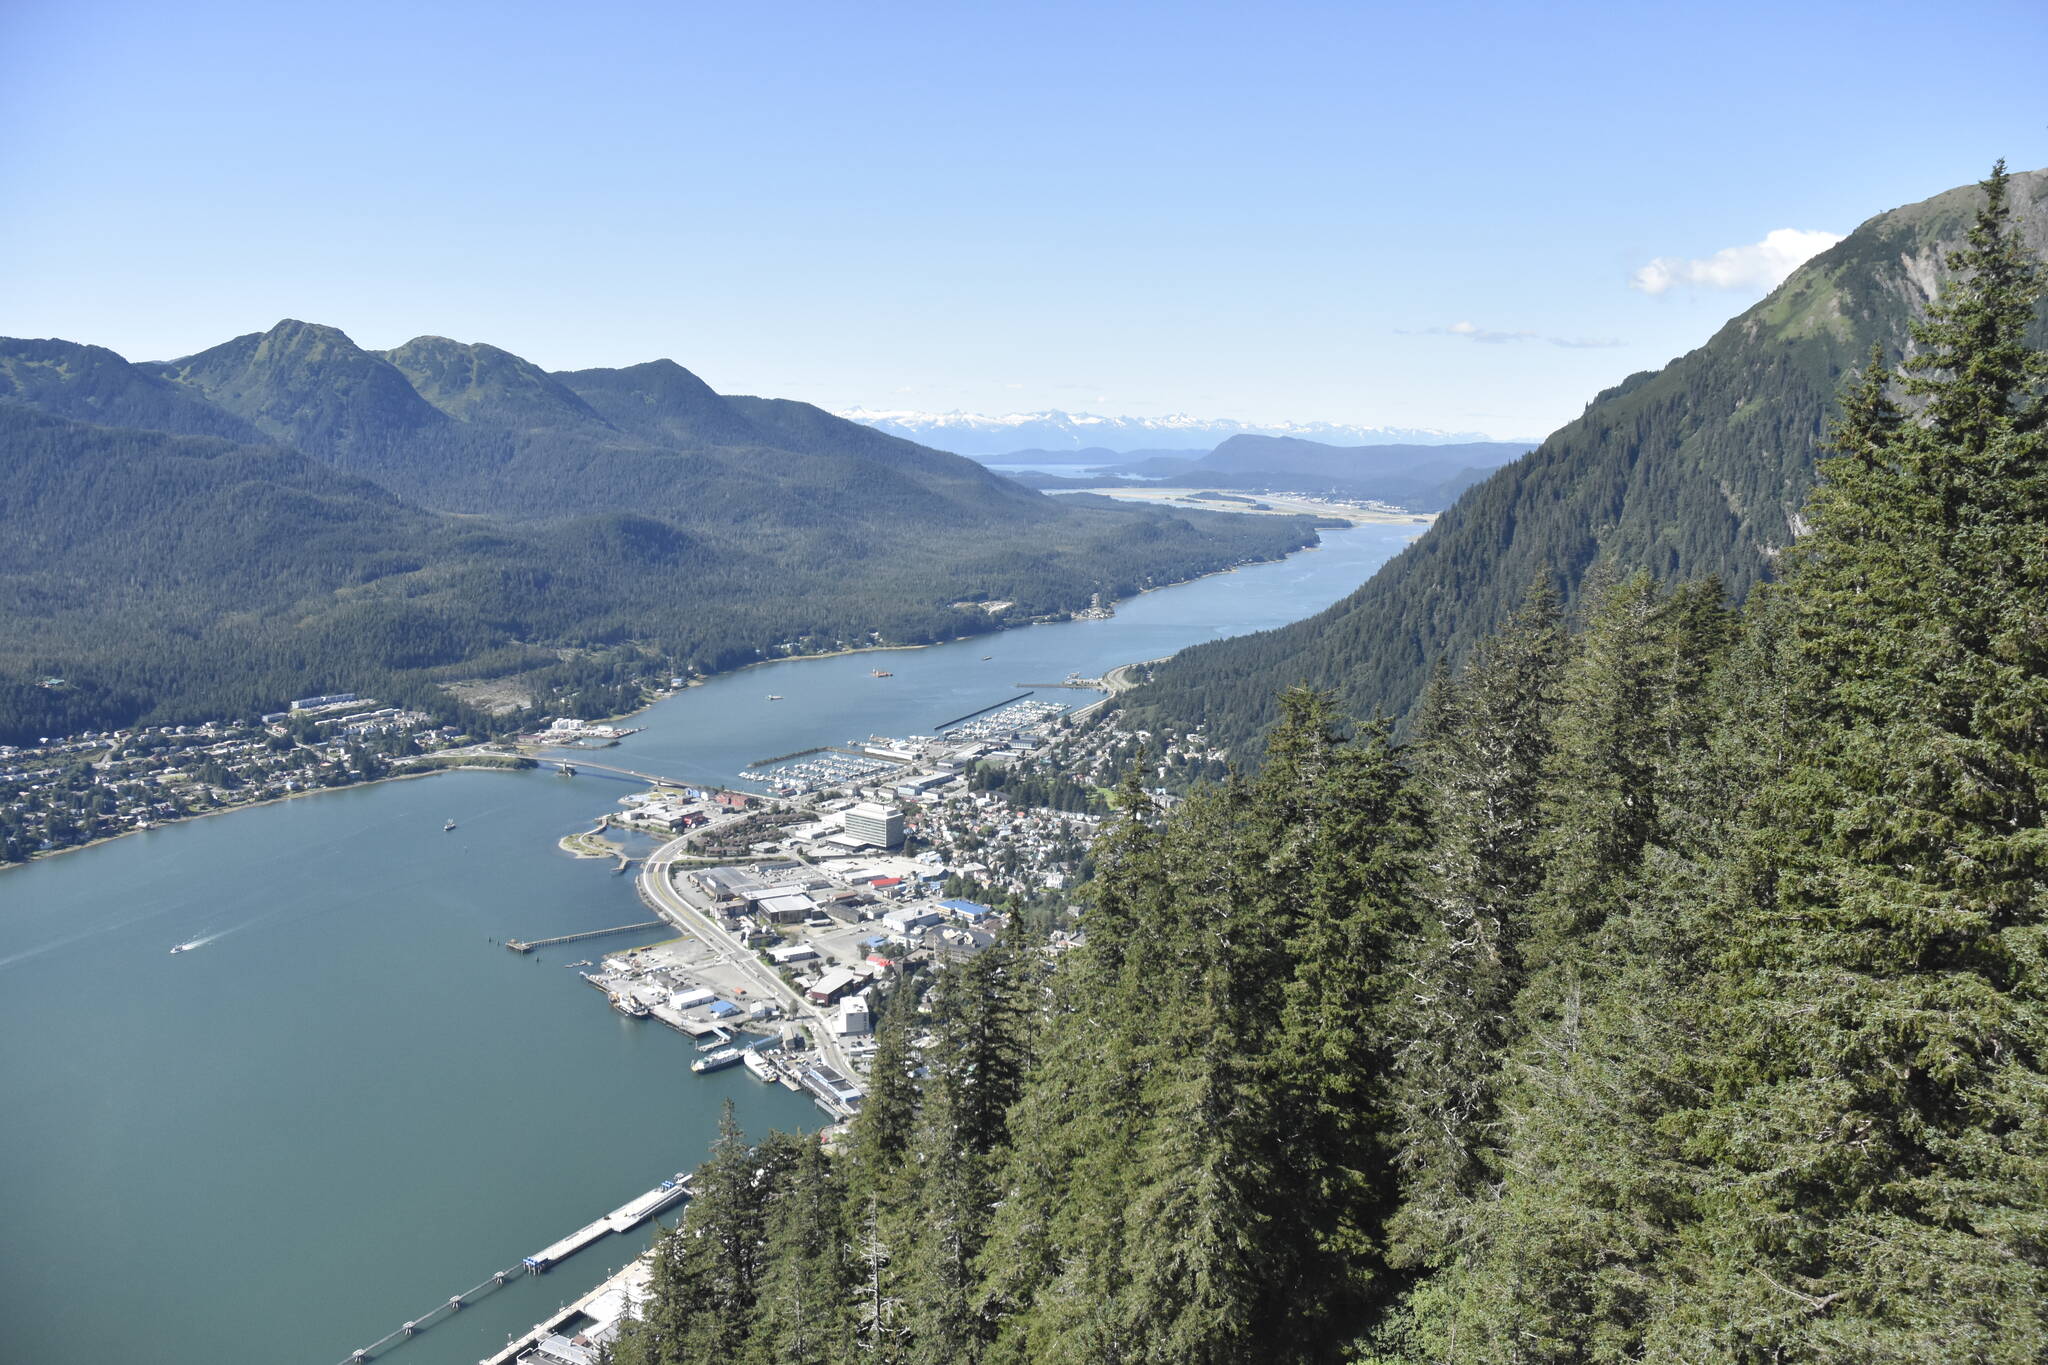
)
(982, 435)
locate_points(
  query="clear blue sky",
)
(1271, 211)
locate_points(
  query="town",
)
(67, 792)
(804, 907)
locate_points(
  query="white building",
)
(877, 824)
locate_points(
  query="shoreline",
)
(44, 857)
(648, 706)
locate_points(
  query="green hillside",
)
(171, 577)
(1698, 468)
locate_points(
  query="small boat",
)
(450, 825)
(717, 1061)
(882, 673)
(775, 696)
(986, 657)
(182, 948)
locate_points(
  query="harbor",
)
(364, 938)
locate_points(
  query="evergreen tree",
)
(1483, 745)
(1877, 1172)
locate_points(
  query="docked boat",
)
(717, 1061)
(757, 1062)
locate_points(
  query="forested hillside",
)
(1696, 469)
(1677, 994)
(289, 514)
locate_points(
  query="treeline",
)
(1677, 993)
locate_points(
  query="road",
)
(675, 906)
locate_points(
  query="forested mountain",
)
(1698, 468)
(93, 384)
(1677, 994)
(294, 514)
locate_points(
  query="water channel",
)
(348, 1103)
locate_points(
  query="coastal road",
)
(676, 907)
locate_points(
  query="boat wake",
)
(189, 944)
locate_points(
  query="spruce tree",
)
(1483, 743)
(1877, 1172)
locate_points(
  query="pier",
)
(521, 945)
(631, 1282)
(621, 1219)
(427, 1319)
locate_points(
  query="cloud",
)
(1488, 336)
(1760, 266)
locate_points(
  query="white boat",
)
(450, 825)
(717, 1061)
(183, 948)
(758, 1063)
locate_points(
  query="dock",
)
(621, 1219)
(632, 1283)
(520, 945)
(961, 720)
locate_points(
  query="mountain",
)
(1091, 455)
(1422, 478)
(986, 438)
(478, 382)
(290, 513)
(312, 387)
(1698, 468)
(93, 384)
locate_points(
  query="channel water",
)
(347, 1102)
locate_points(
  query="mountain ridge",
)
(1693, 469)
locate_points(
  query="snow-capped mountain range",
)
(978, 436)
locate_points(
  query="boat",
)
(182, 948)
(986, 657)
(775, 696)
(717, 1061)
(758, 1063)
(450, 825)
(882, 673)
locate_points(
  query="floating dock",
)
(621, 1219)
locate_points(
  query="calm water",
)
(348, 1104)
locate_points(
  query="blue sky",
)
(1398, 215)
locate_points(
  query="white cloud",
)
(1760, 266)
